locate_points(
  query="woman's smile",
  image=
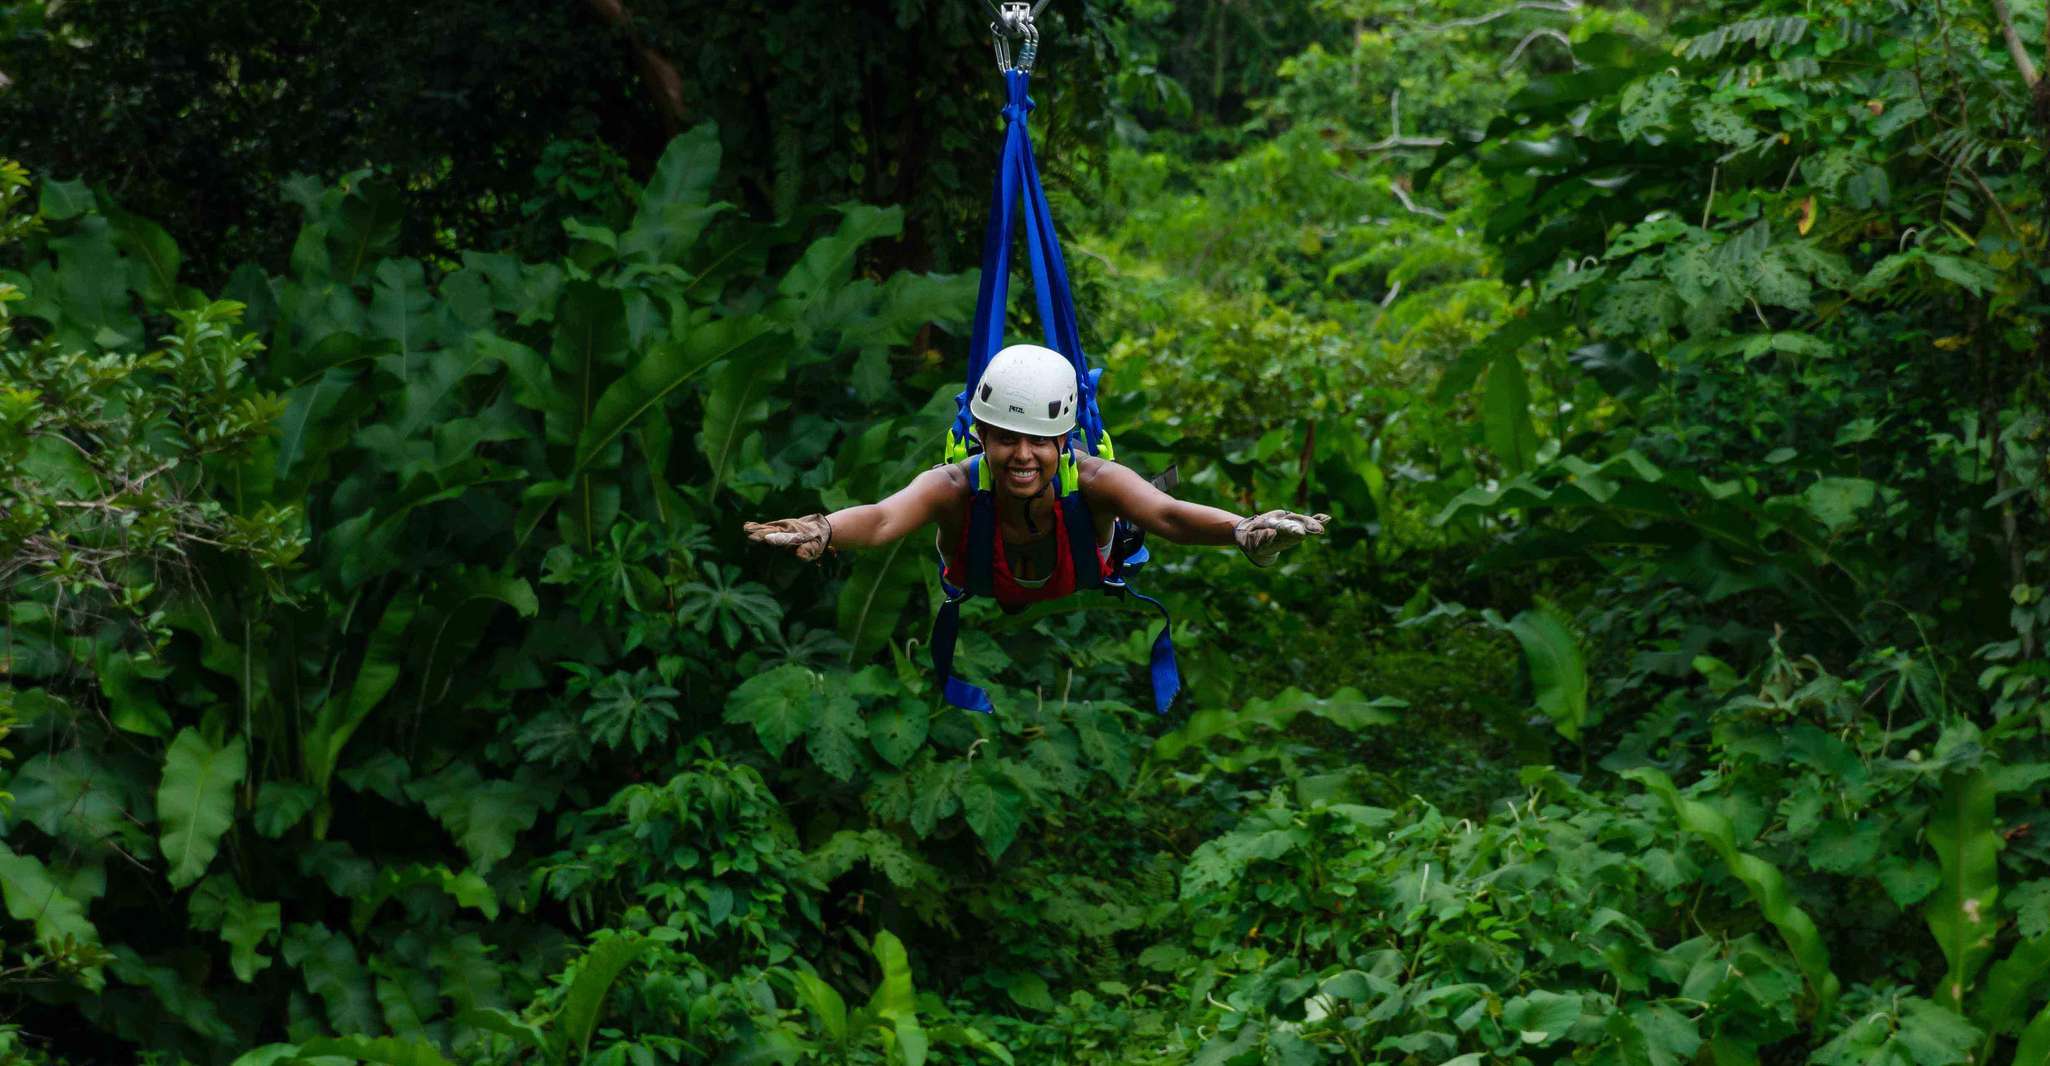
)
(1022, 477)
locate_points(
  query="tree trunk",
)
(664, 85)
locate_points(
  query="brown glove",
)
(809, 536)
(1263, 537)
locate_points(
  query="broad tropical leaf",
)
(1961, 914)
(884, 581)
(382, 1050)
(1557, 669)
(1506, 409)
(33, 896)
(196, 801)
(340, 717)
(664, 370)
(586, 999)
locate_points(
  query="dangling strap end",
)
(968, 697)
(1167, 674)
(945, 629)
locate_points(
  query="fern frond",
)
(1762, 33)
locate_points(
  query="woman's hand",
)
(1263, 537)
(809, 536)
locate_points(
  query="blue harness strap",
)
(982, 534)
(1018, 180)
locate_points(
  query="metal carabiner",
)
(1015, 19)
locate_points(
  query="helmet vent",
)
(985, 393)
(1053, 410)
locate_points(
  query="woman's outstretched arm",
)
(929, 496)
(1262, 537)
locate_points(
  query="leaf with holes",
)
(1960, 914)
(781, 704)
(898, 731)
(834, 743)
(993, 808)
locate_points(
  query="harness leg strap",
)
(955, 691)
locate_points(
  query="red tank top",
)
(1009, 593)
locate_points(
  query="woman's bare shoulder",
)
(950, 479)
(1089, 469)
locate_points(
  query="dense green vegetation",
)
(386, 677)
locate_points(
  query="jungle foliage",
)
(387, 681)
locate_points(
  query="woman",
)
(1029, 487)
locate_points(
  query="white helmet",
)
(1027, 389)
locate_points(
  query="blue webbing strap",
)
(1057, 302)
(981, 581)
(987, 331)
(1167, 675)
(1080, 527)
(1018, 179)
(982, 534)
(944, 629)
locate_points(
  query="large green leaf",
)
(305, 432)
(781, 704)
(1836, 501)
(876, 593)
(1540, 1016)
(664, 370)
(674, 206)
(61, 200)
(484, 816)
(993, 808)
(836, 734)
(2013, 985)
(1505, 410)
(1557, 670)
(737, 401)
(219, 905)
(340, 717)
(335, 973)
(894, 999)
(683, 176)
(196, 801)
(1961, 914)
(2034, 1047)
(383, 1050)
(828, 264)
(32, 895)
(402, 311)
(825, 1005)
(150, 247)
(80, 799)
(280, 805)
(467, 889)
(1767, 886)
(585, 1001)
(590, 333)
(464, 605)
(898, 731)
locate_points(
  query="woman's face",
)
(1019, 464)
